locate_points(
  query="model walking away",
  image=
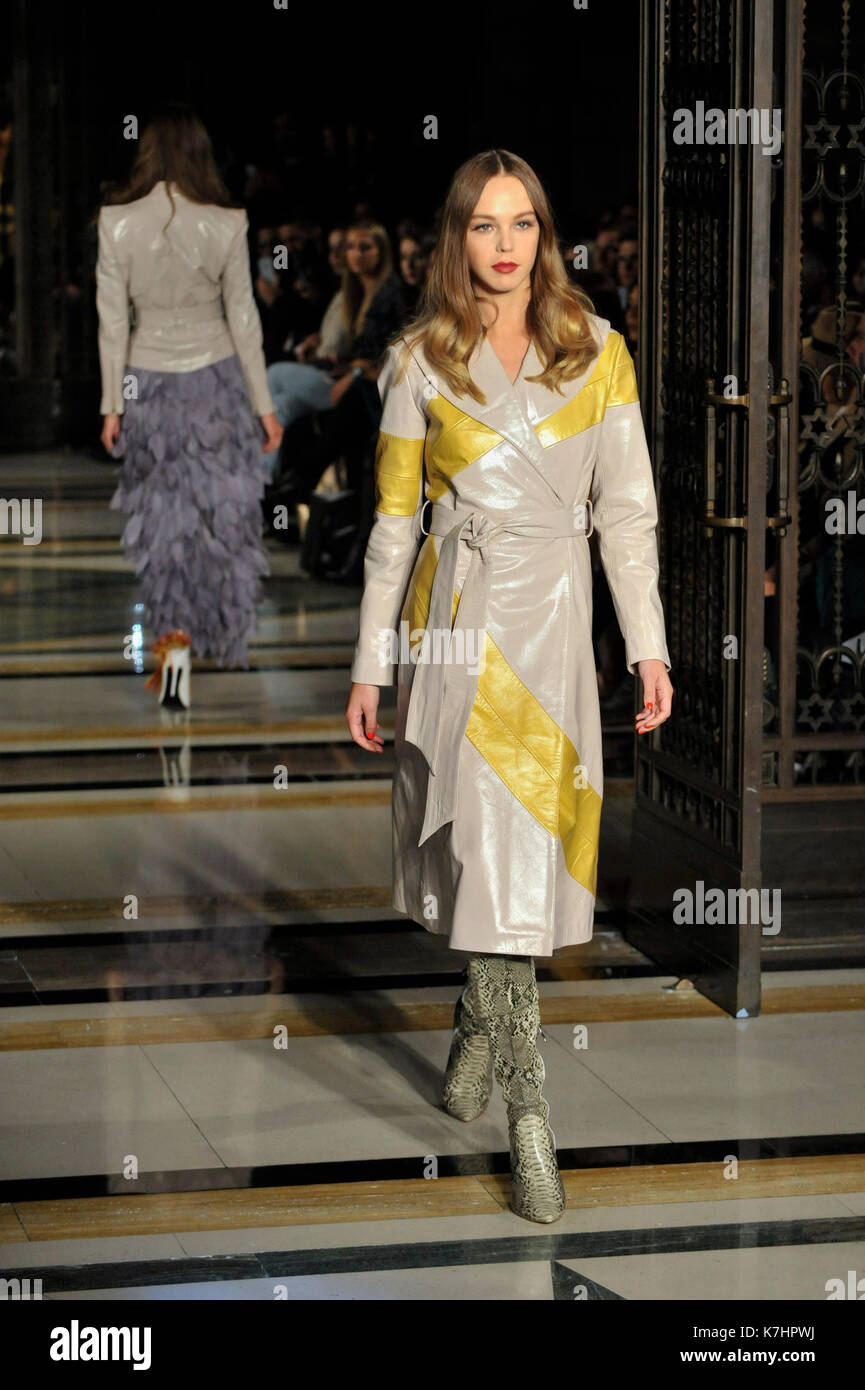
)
(186, 384)
(510, 428)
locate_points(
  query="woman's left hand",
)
(110, 431)
(657, 695)
(273, 430)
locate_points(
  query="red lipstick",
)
(505, 267)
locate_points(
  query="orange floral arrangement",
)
(160, 649)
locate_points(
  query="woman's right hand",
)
(273, 430)
(362, 713)
(307, 348)
(110, 432)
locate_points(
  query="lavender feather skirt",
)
(192, 482)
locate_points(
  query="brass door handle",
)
(780, 522)
(710, 520)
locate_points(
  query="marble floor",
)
(221, 1049)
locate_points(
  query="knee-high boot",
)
(508, 1003)
(468, 1080)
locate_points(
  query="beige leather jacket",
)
(190, 288)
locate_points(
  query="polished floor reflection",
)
(221, 1051)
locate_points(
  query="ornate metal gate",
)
(814, 715)
(752, 384)
(705, 390)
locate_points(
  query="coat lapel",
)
(504, 410)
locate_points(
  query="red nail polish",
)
(372, 735)
(649, 705)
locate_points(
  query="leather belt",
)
(443, 692)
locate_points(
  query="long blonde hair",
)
(448, 323)
(355, 299)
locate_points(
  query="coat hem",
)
(539, 951)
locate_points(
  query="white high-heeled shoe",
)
(174, 692)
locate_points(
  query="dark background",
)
(313, 110)
(558, 86)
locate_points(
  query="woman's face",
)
(408, 249)
(606, 251)
(632, 314)
(361, 253)
(627, 262)
(502, 236)
(336, 251)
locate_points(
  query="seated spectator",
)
(606, 248)
(372, 309)
(265, 282)
(627, 264)
(290, 284)
(632, 321)
(424, 256)
(331, 343)
(411, 264)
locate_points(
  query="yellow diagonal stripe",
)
(535, 759)
(526, 757)
(623, 379)
(612, 382)
(416, 607)
(523, 744)
(454, 441)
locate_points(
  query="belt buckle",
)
(587, 508)
(426, 501)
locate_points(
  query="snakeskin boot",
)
(469, 1073)
(508, 1002)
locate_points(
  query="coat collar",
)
(506, 408)
(160, 190)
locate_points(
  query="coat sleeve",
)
(396, 530)
(112, 305)
(625, 514)
(244, 323)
